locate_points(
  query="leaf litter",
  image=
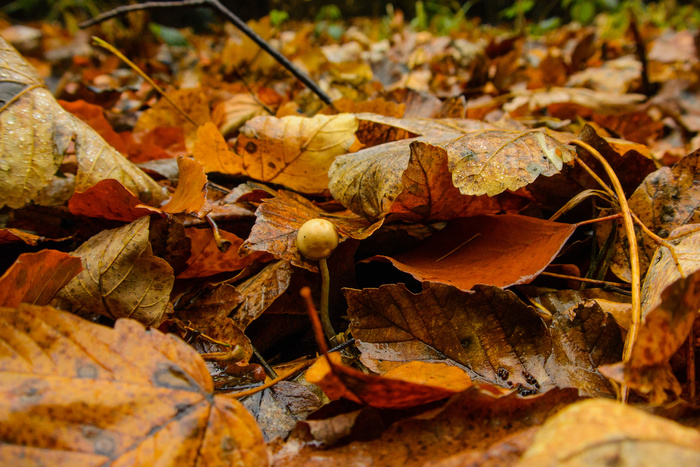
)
(439, 163)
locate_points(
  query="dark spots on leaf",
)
(228, 444)
(530, 379)
(271, 165)
(503, 373)
(523, 391)
(174, 377)
(87, 371)
(251, 147)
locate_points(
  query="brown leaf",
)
(470, 423)
(36, 277)
(231, 114)
(494, 335)
(279, 219)
(109, 199)
(260, 291)
(190, 197)
(87, 394)
(508, 250)
(662, 333)
(599, 430)
(121, 278)
(295, 151)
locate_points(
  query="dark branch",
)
(240, 24)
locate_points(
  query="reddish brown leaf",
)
(206, 259)
(36, 277)
(109, 199)
(380, 391)
(93, 115)
(508, 250)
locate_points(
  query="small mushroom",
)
(316, 240)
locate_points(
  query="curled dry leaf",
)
(33, 123)
(411, 172)
(279, 218)
(190, 196)
(122, 278)
(231, 114)
(493, 250)
(599, 430)
(36, 277)
(84, 394)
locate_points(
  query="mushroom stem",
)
(325, 291)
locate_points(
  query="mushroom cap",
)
(317, 239)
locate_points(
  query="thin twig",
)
(239, 23)
(583, 279)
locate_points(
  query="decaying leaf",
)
(489, 331)
(597, 431)
(190, 197)
(122, 277)
(109, 199)
(83, 394)
(668, 198)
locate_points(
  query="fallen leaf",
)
(378, 391)
(493, 250)
(295, 151)
(260, 291)
(121, 277)
(210, 150)
(661, 334)
(489, 331)
(76, 388)
(36, 277)
(190, 196)
(93, 115)
(231, 114)
(109, 199)
(597, 431)
(471, 422)
(206, 259)
(666, 199)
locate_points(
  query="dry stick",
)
(239, 23)
(634, 253)
(238, 395)
(111, 48)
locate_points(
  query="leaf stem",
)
(633, 251)
(325, 291)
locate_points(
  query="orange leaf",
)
(508, 250)
(206, 259)
(210, 150)
(190, 197)
(36, 277)
(93, 115)
(84, 394)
